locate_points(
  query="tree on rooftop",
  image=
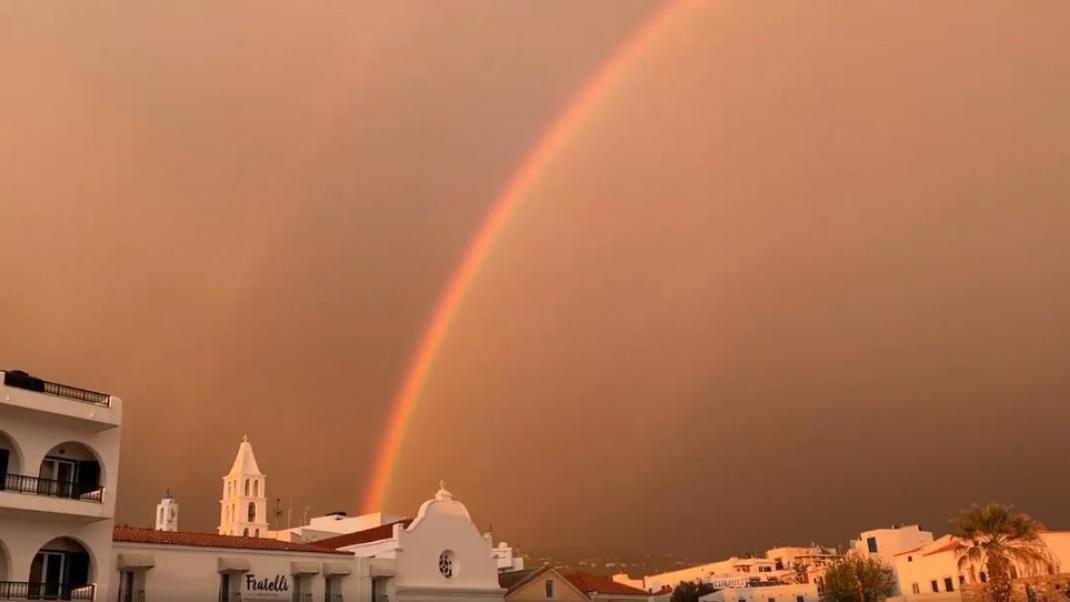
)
(999, 538)
(858, 579)
(689, 591)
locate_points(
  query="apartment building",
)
(59, 456)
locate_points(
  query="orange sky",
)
(803, 273)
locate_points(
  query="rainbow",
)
(511, 196)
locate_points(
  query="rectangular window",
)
(549, 588)
(949, 585)
(984, 577)
(772, 599)
(962, 579)
(871, 543)
(800, 598)
(936, 588)
(914, 588)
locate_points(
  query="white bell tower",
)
(243, 509)
(167, 513)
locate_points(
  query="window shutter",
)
(78, 569)
(3, 467)
(88, 476)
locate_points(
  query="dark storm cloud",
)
(803, 273)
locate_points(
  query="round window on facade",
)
(447, 564)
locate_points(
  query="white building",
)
(931, 571)
(439, 555)
(884, 544)
(802, 557)
(330, 525)
(178, 566)
(789, 592)
(507, 558)
(725, 573)
(780, 565)
(59, 456)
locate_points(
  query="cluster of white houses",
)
(784, 574)
(926, 569)
(59, 454)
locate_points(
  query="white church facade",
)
(59, 450)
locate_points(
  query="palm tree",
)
(999, 538)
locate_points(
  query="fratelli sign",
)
(267, 588)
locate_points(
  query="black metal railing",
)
(298, 597)
(73, 490)
(22, 380)
(23, 590)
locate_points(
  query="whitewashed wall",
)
(184, 573)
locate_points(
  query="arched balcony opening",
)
(71, 470)
(10, 460)
(62, 569)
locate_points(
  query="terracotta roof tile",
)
(597, 584)
(211, 540)
(366, 536)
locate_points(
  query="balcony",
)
(70, 490)
(26, 590)
(21, 390)
(22, 495)
(22, 380)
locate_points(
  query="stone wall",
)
(1046, 588)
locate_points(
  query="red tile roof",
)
(954, 544)
(597, 584)
(211, 540)
(366, 536)
(910, 551)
